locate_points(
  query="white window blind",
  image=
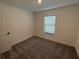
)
(49, 24)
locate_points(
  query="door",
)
(4, 41)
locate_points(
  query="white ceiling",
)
(31, 5)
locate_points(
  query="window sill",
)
(49, 34)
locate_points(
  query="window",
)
(49, 24)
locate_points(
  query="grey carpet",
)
(39, 48)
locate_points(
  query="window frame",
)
(53, 25)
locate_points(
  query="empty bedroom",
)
(39, 29)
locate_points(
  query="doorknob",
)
(8, 33)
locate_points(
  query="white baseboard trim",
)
(77, 52)
(5, 50)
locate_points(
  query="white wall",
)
(19, 23)
(77, 42)
(66, 24)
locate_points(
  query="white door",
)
(4, 41)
